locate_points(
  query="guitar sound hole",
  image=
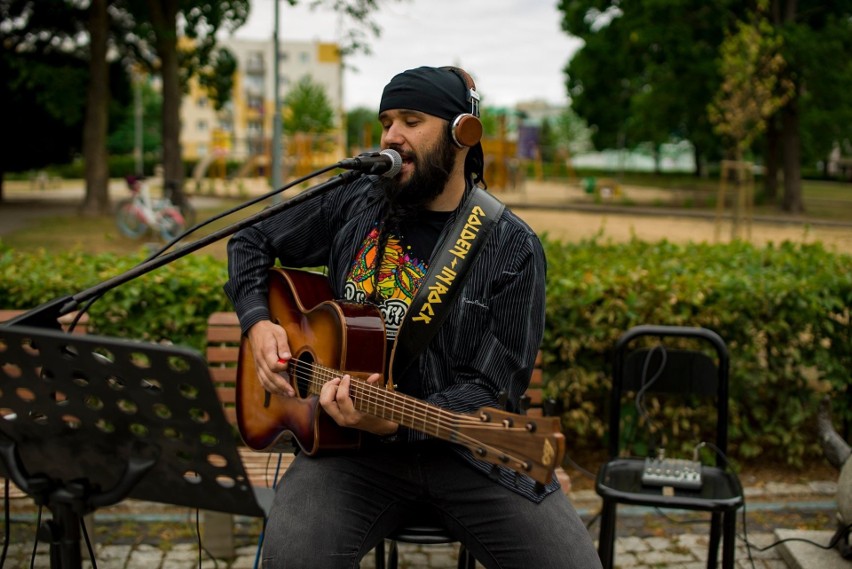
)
(303, 372)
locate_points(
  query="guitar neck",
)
(534, 447)
(393, 406)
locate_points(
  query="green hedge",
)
(783, 310)
(170, 304)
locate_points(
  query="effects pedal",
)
(674, 472)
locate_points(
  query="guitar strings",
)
(419, 411)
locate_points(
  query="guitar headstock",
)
(534, 446)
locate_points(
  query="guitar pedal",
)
(674, 472)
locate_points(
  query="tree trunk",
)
(699, 167)
(97, 103)
(165, 23)
(790, 138)
(770, 161)
(792, 153)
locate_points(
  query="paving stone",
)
(631, 544)
(825, 488)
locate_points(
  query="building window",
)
(201, 125)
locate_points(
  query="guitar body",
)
(321, 333)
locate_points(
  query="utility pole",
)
(138, 141)
(277, 181)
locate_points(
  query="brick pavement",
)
(641, 544)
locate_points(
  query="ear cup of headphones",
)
(466, 130)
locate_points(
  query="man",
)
(379, 238)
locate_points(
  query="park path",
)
(561, 210)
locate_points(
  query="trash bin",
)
(589, 185)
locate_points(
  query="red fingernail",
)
(282, 361)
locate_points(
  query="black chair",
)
(423, 528)
(685, 364)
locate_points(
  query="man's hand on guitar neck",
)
(271, 353)
(336, 401)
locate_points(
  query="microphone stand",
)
(46, 315)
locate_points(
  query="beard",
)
(431, 172)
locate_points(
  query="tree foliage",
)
(122, 137)
(648, 71)
(754, 85)
(40, 110)
(307, 109)
(363, 130)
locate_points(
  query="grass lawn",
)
(100, 234)
(66, 230)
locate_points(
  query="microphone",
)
(388, 163)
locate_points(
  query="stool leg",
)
(393, 556)
(380, 555)
(715, 535)
(466, 560)
(729, 529)
(606, 537)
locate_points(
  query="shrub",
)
(783, 310)
(169, 304)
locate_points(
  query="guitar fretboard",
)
(393, 406)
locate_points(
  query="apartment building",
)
(243, 129)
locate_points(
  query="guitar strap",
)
(445, 278)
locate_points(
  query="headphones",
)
(466, 128)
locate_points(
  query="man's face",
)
(428, 157)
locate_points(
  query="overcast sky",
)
(514, 49)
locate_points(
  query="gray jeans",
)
(330, 511)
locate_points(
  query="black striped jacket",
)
(486, 346)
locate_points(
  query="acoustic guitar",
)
(329, 339)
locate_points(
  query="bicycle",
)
(137, 215)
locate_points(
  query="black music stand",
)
(86, 421)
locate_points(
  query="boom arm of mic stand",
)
(46, 315)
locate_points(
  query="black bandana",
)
(430, 90)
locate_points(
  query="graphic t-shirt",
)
(401, 272)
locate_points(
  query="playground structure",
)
(303, 153)
(223, 171)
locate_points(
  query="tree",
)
(97, 112)
(121, 139)
(646, 71)
(664, 53)
(44, 28)
(818, 51)
(363, 130)
(308, 109)
(754, 86)
(159, 23)
(40, 110)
